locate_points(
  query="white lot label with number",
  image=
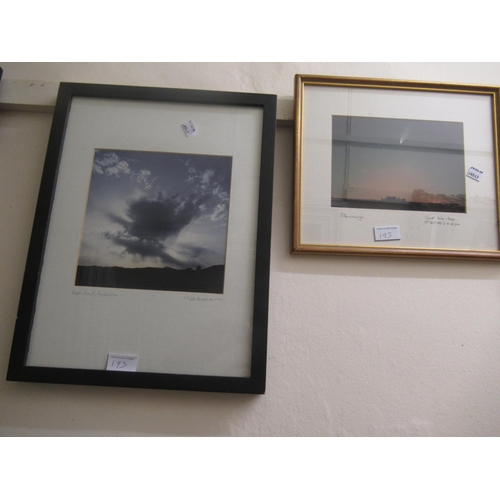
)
(474, 173)
(188, 128)
(121, 363)
(387, 233)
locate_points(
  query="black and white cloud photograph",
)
(156, 221)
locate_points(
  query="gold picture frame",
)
(396, 168)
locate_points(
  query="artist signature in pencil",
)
(343, 215)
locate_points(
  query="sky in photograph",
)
(155, 209)
(392, 157)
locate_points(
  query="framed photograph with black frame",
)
(148, 264)
(396, 168)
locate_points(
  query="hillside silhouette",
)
(208, 280)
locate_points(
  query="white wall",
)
(357, 346)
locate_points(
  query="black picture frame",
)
(224, 118)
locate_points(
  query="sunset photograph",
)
(398, 164)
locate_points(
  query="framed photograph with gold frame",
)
(396, 168)
(148, 264)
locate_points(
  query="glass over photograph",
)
(156, 221)
(398, 164)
